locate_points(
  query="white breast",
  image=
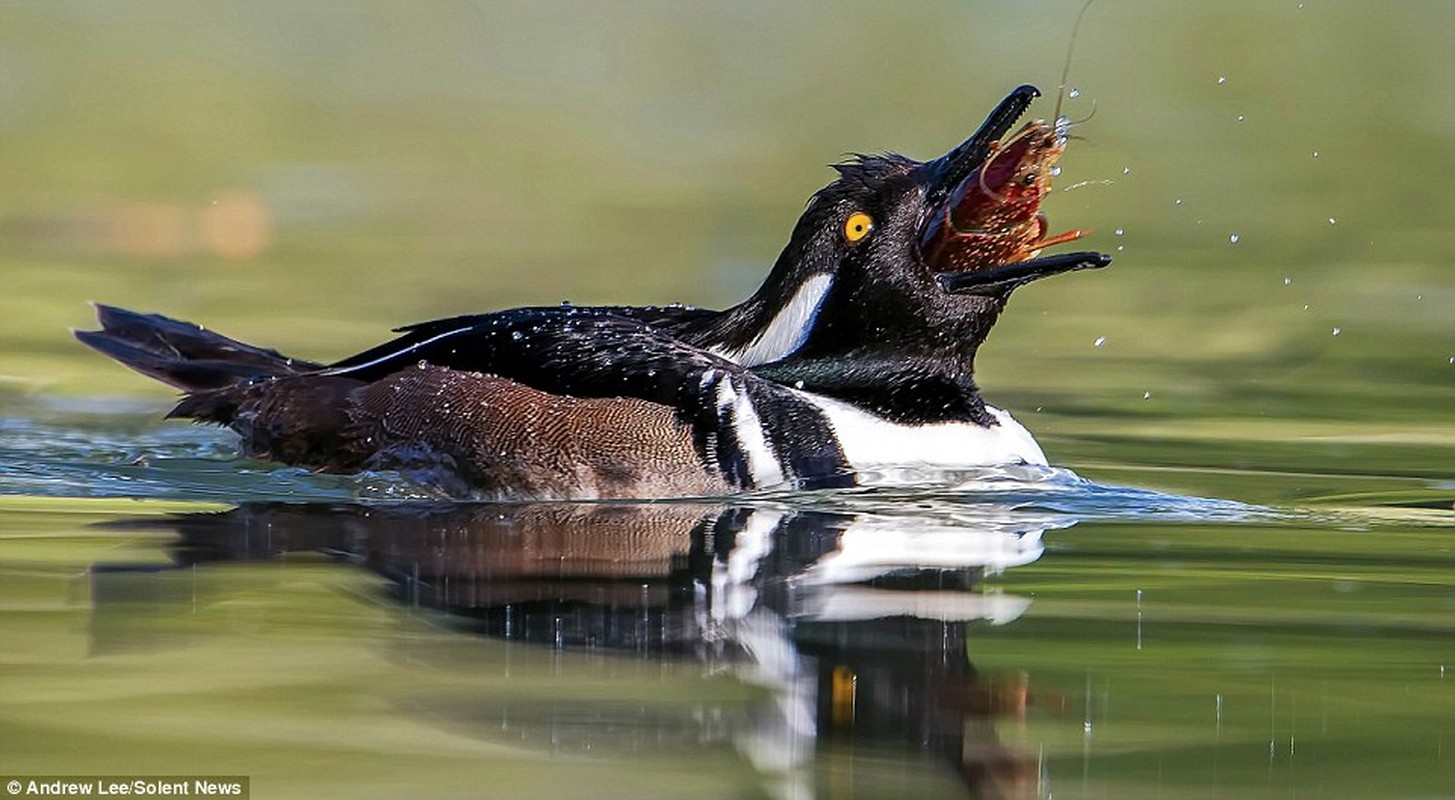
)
(872, 443)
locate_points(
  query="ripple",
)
(76, 457)
(70, 452)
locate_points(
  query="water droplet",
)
(1288, 281)
(1120, 231)
(1332, 220)
(517, 335)
(1241, 117)
(1222, 79)
(1100, 340)
(422, 364)
(1056, 170)
(1316, 154)
(1086, 726)
(1337, 330)
(1126, 170)
(798, 384)
(1145, 396)
(1121, 248)
(565, 304)
(1233, 238)
(1452, 359)
(1074, 93)
(1177, 202)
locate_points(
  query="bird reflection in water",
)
(856, 624)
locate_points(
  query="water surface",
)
(1010, 636)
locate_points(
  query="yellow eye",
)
(857, 226)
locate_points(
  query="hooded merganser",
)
(855, 356)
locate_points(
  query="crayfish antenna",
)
(1066, 68)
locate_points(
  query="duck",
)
(855, 356)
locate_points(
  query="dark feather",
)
(181, 354)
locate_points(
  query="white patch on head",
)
(763, 465)
(788, 330)
(872, 443)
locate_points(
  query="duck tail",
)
(188, 357)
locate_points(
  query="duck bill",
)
(945, 174)
(962, 189)
(1000, 280)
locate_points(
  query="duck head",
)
(901, 268)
